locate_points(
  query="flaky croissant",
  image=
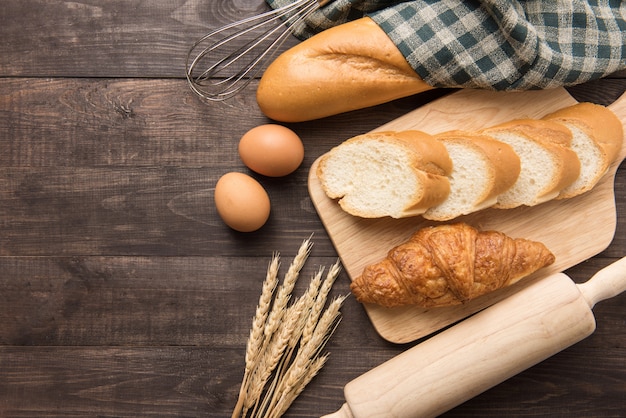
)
(448, 265)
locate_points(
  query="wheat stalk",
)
(284, 292)
(308, 353)
(320, 301)
(295, 314)
(324, 329)
(255, 339)
(287, 398)
(284, 348)
(308, 300)
(272, 356)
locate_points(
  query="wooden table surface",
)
(122, 294)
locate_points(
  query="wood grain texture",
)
(119, 38)
(560, 224)
(121, 292)
(478, 353)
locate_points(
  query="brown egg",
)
(241, 202)
(271, 150)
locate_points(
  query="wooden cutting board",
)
(574, 229)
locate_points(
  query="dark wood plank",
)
(141, 211)
(201, 381)
(120, 38)
(102, 167)
(122, 293)
(121, 382)
(136, 122)
(98, 301)
(172, 300)
(603, 92)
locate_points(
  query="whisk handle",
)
(323, 2)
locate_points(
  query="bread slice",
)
(597, 139)
(483, 168)
(395, 174)
(548, 165)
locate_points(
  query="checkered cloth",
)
(494, 44)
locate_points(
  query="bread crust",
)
(505, 161)
(553, 137)
(433, 155)
(429, 164)
(351, 66)
(505, 164)
(603, 128)
(427, 159)
(598, 121)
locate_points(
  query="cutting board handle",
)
(605, 284)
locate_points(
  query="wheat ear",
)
(298, 310)
(255, 339)
(283, 352)
(308, 301)
(287, 399)
(310, 351)
(286, 288)
(271, 357)
(320, 302)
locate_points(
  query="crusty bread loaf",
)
(597, 140)
(386, 174)
(547, 163)
(483, 168)
(351, 66)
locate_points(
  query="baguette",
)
(523, 162)
(347, 67)
(483, 169)
(386, 174)
(548, 165)
(597, 139)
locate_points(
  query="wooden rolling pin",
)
(484, 350)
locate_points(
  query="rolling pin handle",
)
(344, 412)
(605, 284)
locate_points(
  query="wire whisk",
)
(222, 63)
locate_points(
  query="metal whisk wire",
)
(215, 82)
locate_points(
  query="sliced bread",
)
(548, 165)
(597, 139)
(386, 174)
(483, 168)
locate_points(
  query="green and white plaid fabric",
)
(494, 44)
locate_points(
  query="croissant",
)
(449, 265)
